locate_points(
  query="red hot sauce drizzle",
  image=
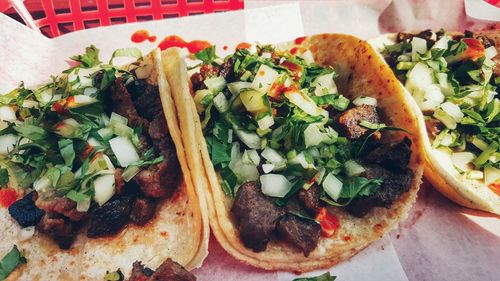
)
(243, 45)
(176, 41)
(142, 35)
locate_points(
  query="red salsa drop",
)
(7, 197)
(142, 35)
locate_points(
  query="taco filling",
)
(89, 150)
(287, 144)
(453, 79)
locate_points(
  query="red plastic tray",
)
(56, 17)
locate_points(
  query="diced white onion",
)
(267, 168)
(272, 155)
(491, 52)
(353, 168)
(307, 56)
(419, 77)
(7, 143)
(235, 87)
(265, 122)
(30, 104)
(491, 174)
(275, 185)
(221, 103)
(254, 156)
(104, 188)
(264, 78)
(124, 151)
(445, 118)
(26, 233)
(442, 43)
(42, 184)
(315, 134)
(453, 110)
(250, 139)
(215, 84)
(324, 85)
(90, 91)
(432, 98)
(301, 159)
(475, 175)
(462, 160)
(418, 45)
(332, 186)
(305, 103)
(359, 101)
(7, 113)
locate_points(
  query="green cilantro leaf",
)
(9, 262)
(206, 55)
(89, 59)
(4, 177)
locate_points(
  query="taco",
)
(308, 148)
(97, 163)
(453, 79)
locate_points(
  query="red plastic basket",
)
(56, 17)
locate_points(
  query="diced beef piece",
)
(25, 212)
(227, 69)
(60, 205)
(392, 156)
(433, 126)
(169, 270)
(146, 98)
(487, 42)
(310, 199)
(468, 34)
(160, 180)
(393, 186)
(120, 101)
(160, 137)
(59, 228)
(111, 217)
(143, 210)
(301, 232)
(349, 120)
(206, 71)
(256, 216)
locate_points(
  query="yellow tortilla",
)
(179, 230)
(438, 169)
(362, 72)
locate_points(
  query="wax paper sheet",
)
(439, 241)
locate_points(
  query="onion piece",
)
(124, 151)
(264, 78)
(275, 185)
(359, 101)
(104, 188)
(332, 186)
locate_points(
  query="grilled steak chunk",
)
(169, 270)
(433, 127)
(393, 186)
(110, 217)
(25, 212)
(160, 180)
(349, 120)
(120, 101)
(392, 156)
(310, 199)
(60, 205)
(256, 216)
(227, 69)
(60, 229)
(146, 98)
(143, 210)
(301, 232)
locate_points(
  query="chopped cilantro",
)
(323, 277)
(9, 262)
(89, 59)
(206, 55)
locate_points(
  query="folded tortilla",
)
(179, 229)
(362, 72)
(468, 193)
